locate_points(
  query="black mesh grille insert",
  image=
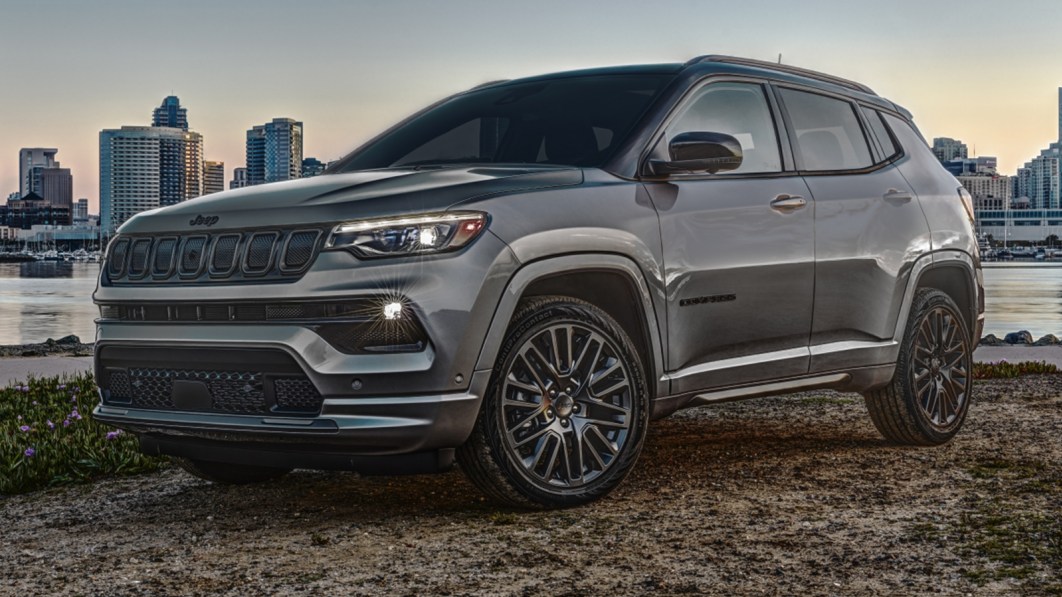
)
(119, 254)
(192, 255)
(139, 258)
(260, 252)
(236, 392)
(164, 250)
(224, 252)
(297, 394)
(300, 248)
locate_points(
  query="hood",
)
(332, 198)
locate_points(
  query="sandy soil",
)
(777, 496)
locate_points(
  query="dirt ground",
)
(777, 496)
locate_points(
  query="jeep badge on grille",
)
(203, 221)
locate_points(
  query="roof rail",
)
(489, 83)
(785, 68)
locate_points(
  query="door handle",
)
(786, 202)
(897, 195)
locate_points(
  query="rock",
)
(1022, 337)
(71, 339)
(991, 340)
(1048, 340)
(50, 342)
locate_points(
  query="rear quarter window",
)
(827, 133)
(881, 132)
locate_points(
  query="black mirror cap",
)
(698, 151)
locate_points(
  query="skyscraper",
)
(239, 178)
(170, 114)
(57, 188)
(947, 149)
(31, 161)
(213, 177)
(143, 167)
(274, 151)
(1060, 114)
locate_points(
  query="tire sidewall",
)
(926, 303)
(527, 327)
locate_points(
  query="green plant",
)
(48, 438)
(1003, 369)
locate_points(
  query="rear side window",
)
(827, 131)
(736, 109)
(881, 132)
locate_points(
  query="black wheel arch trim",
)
(545, 267)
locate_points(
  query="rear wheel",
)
(564, 418)
(230, 474)
(927, 400)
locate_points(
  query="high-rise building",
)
(989, 191)
(1060, 114)
(213, 177)
(1041, 182)
(81, 210)
(274, 151)
(312, 167)
(31, 162)
(170, 114)
(144, 167)
(239, 178)
(57, 188)
(947, 149)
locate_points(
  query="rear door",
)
(869, 226)
(738, 248)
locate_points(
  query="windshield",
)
(574, 121)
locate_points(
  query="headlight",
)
(409, 235)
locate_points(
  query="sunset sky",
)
(984, 72)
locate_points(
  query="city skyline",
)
(356, 68)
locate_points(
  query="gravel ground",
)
(778, 496)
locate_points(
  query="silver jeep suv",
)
(521, 276)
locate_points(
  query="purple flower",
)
(34, 403)
(62, 386)
(73, 399)
(66, 423)
(29, 452)
(50, 424)
(25, 389)
(24, 428)
(113, 434)
(20, 417)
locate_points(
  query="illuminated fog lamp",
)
(392, 311)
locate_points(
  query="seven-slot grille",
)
(270, 255)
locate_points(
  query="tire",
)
(926, 402)
(230, 474)
(577, 437)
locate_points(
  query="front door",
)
(738, 250)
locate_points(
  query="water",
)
(1023, 296)
(47, 299)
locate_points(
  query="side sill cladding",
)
(553, 266)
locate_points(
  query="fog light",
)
(392, 311)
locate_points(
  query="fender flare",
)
(536, 270)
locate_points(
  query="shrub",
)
(1003, 369)
(47, 436)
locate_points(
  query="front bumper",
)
(408, 434)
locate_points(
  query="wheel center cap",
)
(563, 405)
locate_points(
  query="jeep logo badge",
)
(203, 221)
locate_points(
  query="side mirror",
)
(699, 152)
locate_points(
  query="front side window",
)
(827, 131)
(736, 109)
(570, 121)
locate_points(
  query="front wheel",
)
(565, 415)
(926, 402)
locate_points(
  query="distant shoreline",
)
(65, 346)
